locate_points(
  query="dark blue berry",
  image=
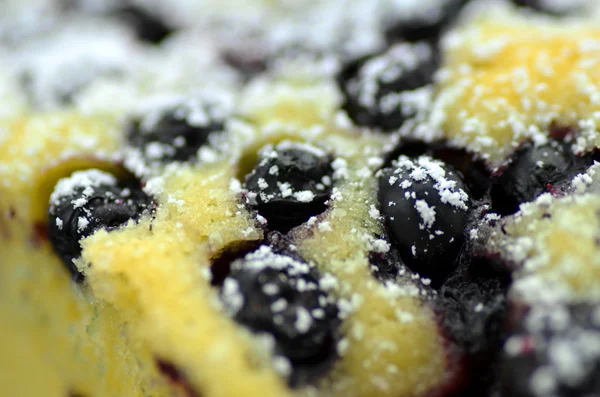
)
(425, 206)
(474, 170)
(473, 306)
(147, 25)
(289, 184)
(144, 21)
(535, 170)
(553, 8)
(553, 352)
(385, 266)
(222, 259)
(374, 87)
(428, 25)
(471, 310)
(88, 201)
(278, 295)
(171, 136)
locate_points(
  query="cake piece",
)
(212, 200)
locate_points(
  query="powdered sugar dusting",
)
(427, 214)
(399, 60)
(419, 171)
(88, 180)
(108, 73)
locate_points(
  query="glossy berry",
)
(278, 295)
(425, 206)
(173, 135)
(553, 352)
(474, 170)
(85, 202)
(380, 92)
(533, 171)
(290, 183)
(147, 26)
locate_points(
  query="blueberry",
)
(472, 315)
(176, 134)
(425, 206)
(473, 303)
(85, 202)
(553, 352)
(471, 308)
(278, 295)
(148, 26)
(428, 24)
(473, 169)
(222, 259)
(289, 184)
(552, 7)
(385, 266)
(533, 171)
(145, 22)
(380, 91)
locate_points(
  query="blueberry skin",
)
(180, 140)
(541, 6)
(147, 26)
(471, 310)
(312, 351)
(473, 169)
(372, 115)
(105, 209)
(429, 251)
(146, 23)
(303, 171)
(533, 171)
(427, 28)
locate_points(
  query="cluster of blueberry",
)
(428, 194)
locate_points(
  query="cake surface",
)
(362, 198)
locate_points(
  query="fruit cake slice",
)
(399, 202)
